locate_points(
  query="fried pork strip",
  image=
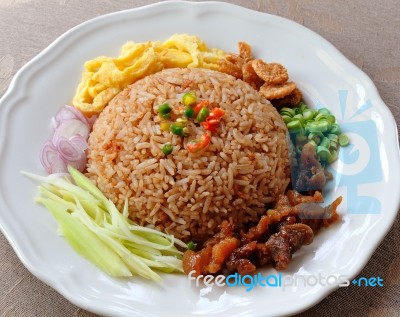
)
(291, 223)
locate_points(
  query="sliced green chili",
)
(203, 114)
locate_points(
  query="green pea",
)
(188, 113)
(202, 115)
(176, 129)
(164, 109)
(167, 149)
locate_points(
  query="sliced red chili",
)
(198, 144)
(201, 104)
(210, 124)
(217, 113)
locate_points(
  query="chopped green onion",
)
(324, 111)
(288, 111)
(324, 125)
(188, 112)
(294, 125)
(286, 118)
(176, 129)
(315, 136)
(313, 127)
(344, 140)
(333, 157)
(334, 145)
(191, 245)
(189, 99)
(167, 149)
(331, 119)
(323, 153)
(298, 116)
(333, 137)
(321, 116)
(316, 127)
(301, 136)
(203, 114)
(325, 142)
(335, 129)
(308, 114)
(313, 143)
(302, 106)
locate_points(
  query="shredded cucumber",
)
(97, 230)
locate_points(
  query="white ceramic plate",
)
(366, 173)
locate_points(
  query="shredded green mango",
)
(97, 230)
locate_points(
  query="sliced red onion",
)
(68, 113)
(48, 153)
(79, 164)
(59, 165)
(79, 141)
(51, 160)
(69, 142)
(69, 128)
(68, 151)
(78, 115)
(72, 152)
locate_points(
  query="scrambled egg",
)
(104, 77)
